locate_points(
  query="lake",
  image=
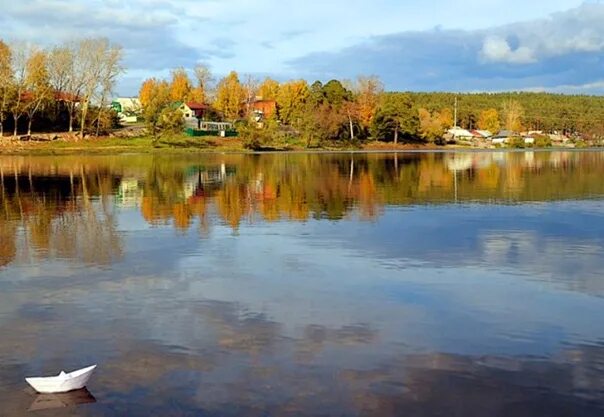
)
(412, 284)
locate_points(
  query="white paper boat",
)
(63, 382)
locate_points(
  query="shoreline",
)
(216, 145)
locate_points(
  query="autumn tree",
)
(368, 93)
(155, 96)
(180, 85)
(445, 117)
(489, 120)
(39, 89)
(145, 94)
(269, 89)
(229, 96)
(431, 125)
(513, 113)
(6, 78)
(291, 99)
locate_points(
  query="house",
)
(263, 109)
(484, 134)
(127, 104)
(502, 137)
(128, 108)
(459, 133)
(192, 109)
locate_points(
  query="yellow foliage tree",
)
(38, 85)
(269, 89)
(155, 96)
(369, 92)
(489, 120)
(197, 95)
(229, 96)
(5, 82)
(291, 98)
(445, 117)
(180, 86)
(146, 91)
(431, 125)
(513, 113)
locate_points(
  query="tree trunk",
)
(351, 127)
(29, 126)
(71, 110)
(98, 119)
(396, 135)
(16, 119)
(83, 121)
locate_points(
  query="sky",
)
(417, 45)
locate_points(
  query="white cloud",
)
(265, 35)
(562, 53)
(497, 49)
(576, 31)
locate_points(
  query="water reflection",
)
(64, 400)
(65, 206)
(420, 284)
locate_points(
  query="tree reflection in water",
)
(65, 207)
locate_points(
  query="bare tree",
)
(17, 106)
(250, 88)
(97, 59)
(111, 69)
(205, 80)
(6, 81)
(60, 72)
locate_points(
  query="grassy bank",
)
(179, 144)
(142, 144)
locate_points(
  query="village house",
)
(192, 109)
(481, 134)
(128, 108)
(458, 133)
(263, 109)
(502, 137)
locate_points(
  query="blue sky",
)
(466, 45)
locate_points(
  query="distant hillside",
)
(542, 111)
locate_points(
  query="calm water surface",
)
(461, 284)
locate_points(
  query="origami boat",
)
(63, 382)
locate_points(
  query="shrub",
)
(170, 121)
(543, 141)
(516, 142)
(254, 138)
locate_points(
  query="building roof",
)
(58, 96)
(458, 131)
(197, 106)
(504, 134)
(483, 133)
